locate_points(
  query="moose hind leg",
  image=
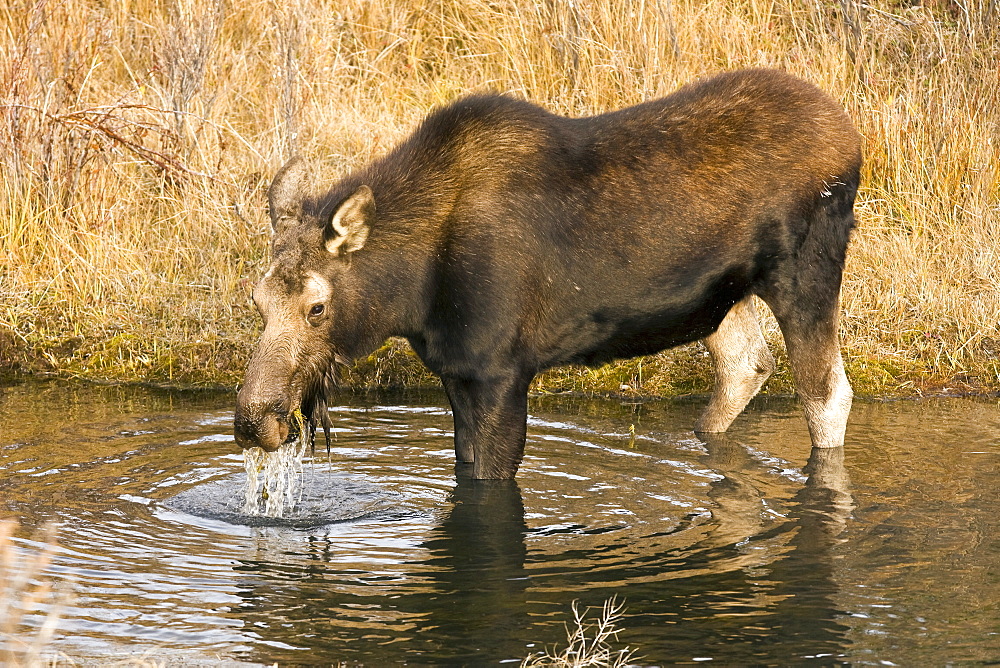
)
(807, 308)
(820, 381)
(742, 363)
(463, 412)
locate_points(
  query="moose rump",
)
(501, 239)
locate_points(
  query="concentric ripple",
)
(743, 549)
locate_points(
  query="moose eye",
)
(316, 310)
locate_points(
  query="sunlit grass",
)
(139, 136)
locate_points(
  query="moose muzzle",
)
(263, 418)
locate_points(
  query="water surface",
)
(743, 549)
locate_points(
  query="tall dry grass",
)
(26, 590)
(139, 136)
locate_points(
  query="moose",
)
(500, 240)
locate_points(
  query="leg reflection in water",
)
(738, 502)
(757, 581)
(806, 578)
(739, 498)
(790, 565)
(825, 500)
(478, 554)
(462, 602)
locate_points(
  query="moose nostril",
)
(262, 416)
(245, 430)
(250, 417)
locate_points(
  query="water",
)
(272, 481)
(738, 550)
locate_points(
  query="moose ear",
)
(290, 185)
(348, 228)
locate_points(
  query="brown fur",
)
(500, 240)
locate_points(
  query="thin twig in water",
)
(588, 643)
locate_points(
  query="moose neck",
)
(397, 268)
(446, 179)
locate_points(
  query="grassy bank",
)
(139, 136)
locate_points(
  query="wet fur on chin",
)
(316, 402)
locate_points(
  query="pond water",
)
(738, 550)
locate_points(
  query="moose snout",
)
(261, 423)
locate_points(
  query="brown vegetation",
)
(588, 643)
(138, 137)
(26, 590)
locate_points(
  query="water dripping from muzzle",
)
(274, 479)
(273, 483)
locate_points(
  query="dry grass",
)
(139, 135)
(24, 591)
(588, 643)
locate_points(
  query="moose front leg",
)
(462, 411)
(490, 422)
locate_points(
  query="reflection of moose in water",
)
(501, 240)
(480, 577)
(742, 582)
(789, 565)
(753, 581)
(464, 603)
(727, 586)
